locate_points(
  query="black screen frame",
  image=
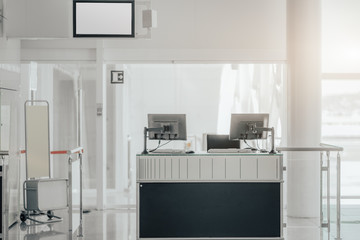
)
(131, 35)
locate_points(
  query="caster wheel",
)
(50, 214)
(23, 226)
(23, 217)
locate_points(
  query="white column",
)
(100, 127)
(304, 115)
(119, 131)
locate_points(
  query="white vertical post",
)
(4, 194)
(79, 132)
(304, 110)
(338, 197)
(70, 192)
(121, 136)
(100, 127)
(321, 188)
(118, 114)
(80, 234)
(328, 191)
(80, 117)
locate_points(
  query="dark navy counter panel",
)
(189, 210)
(1, 199)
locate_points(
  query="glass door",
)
(10, 142)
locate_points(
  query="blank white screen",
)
(103, 18)
(37, 141)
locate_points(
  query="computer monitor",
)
(167, 126)
(249, 126)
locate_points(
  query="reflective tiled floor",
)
(34, 231)
(121, 224)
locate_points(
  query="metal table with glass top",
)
(202, 195)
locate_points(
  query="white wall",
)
(9, 51)
(340, 36)
(208, 30)
(39, 18)
(188, 30)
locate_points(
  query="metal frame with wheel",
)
(38, 139)
(34, 207)
(37, 155)
(28, 215)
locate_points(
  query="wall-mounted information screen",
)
(103, 18)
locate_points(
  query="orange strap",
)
(54, 152)
(59, 152)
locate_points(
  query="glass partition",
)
(9, 141)
(206, 93)
(341, 125)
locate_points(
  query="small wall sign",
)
(117, 76)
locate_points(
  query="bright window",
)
(341, 126)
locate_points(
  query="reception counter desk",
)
(183, 196)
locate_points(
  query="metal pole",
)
(79, 115)
(145, 136)
(129, 161)
(32, 96)
(70, 191)
(80, 96)
(338, 197)
(321, 189)
(272, 140)
(328, 191)
(81, 199)
(3, 193)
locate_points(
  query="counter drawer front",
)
(192, 210)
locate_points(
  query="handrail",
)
(325, 148)
(322, 148)
(336, 148)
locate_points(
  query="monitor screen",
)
(243, 126)
(173, 126)
(103, 18)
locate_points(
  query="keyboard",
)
(230, 150)
(169, 151)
